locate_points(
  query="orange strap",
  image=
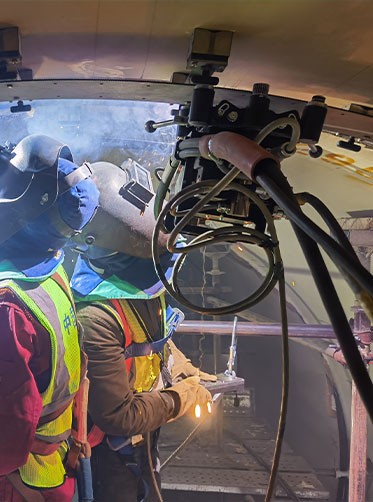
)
(95, 436)
(127, 332)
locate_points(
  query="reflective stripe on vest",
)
(51, 305)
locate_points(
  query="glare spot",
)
(197, 411)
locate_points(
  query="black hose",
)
(151, 468)
(276, 185)
(285, 392)
(341, 257)
(232, 233)
(285, 485)
(329, 218)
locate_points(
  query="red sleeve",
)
(23, 352)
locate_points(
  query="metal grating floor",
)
(227, 456)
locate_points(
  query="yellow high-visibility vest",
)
(50, 302)
(147, 368)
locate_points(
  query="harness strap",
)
(127, 332)
(146, 348)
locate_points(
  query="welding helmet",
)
(115, 247)
(44, 200)
(29, 180)
(124, 221)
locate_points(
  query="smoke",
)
(95, 129)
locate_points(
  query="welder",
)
(44, 200)
(134, 389)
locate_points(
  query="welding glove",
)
(182, 367)
(187, 394)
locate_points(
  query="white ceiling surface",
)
(301, 48)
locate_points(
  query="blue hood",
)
(35, 250)
(119, 276)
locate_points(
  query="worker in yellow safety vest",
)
(139, 380)
(44, 200)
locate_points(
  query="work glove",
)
(183, 367)
(187, 394)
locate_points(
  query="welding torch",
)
(214, 401)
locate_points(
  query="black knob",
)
(149, 126)
(261, 88)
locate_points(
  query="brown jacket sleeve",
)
(113, 405)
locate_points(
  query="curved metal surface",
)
(337, 121)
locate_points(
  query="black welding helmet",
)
(45, 199)
(29, 183)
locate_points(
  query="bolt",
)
(89, 240)
(232, 116)
(44, 199)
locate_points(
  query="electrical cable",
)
(225, 234)
(340, 236)
(272, 179)
(202, 336)
(285, 485)
(158, 172)
(189, 147)
(164, 184)
(206, 237)
(151, 467)
(285, 391)
(190, 436)
(215, 189)
(310, 237)
(269, 244)
(182, 445)
(206, 191)
(328, 217)
(282, 122)
(362, 280)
